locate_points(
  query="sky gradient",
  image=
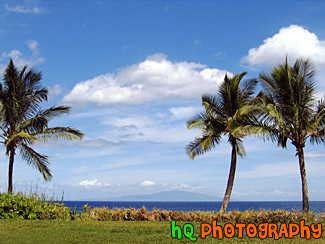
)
(134, 73)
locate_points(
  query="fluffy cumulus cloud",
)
(294, 41)
(155, 78)
(24, 10)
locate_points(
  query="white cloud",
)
(219, 54)
(19, 59)
(154, 78)
(93, 182)
(315, 154)
(24, 10)
(184, 112)
(269, 170)
(147, 183)
(55, 90)
(196, 42)
(288, 169)
(145, 129)
(294, 41)
(181, 186)
(33, 46)
(264, 195)
(277, 192)
(97, 143)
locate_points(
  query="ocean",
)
(315, 206)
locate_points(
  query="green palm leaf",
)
(37, 160)
(57, 133)
(19, 136)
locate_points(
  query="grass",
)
(82, 231)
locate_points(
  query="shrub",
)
(22, 207)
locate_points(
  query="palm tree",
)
(288, 110)
(23, 122)
(219, 118)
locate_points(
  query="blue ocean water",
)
(315, 206)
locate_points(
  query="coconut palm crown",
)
(23, 122)
(287, 110)
(219, 117)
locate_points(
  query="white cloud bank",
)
(294, 41)
(154, 78)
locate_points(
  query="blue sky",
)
(134, 71)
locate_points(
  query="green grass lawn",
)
(59, 231)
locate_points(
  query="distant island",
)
(168, 196)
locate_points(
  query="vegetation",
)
(36, 207)
(22, 121)
(287, 110)
(33, 207)
(249, 216)
(218, 118)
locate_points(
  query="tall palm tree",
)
(219, 118)
(23, 122)
(288, 111)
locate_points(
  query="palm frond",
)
(240, 148)
(33, 125)
(197, 121)
(19, 136)
(212, 105)
(201, 145)
(37, 160)
(57, 133)
(55, 111)
(39, 122)
(249, 88)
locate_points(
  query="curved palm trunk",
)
(10, 170)
(231, 179)
(305, 199)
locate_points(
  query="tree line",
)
(284, 110)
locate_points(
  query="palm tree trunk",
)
(231, 179)
(10, 170)
(305, 199)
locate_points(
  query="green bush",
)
(22, 207)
